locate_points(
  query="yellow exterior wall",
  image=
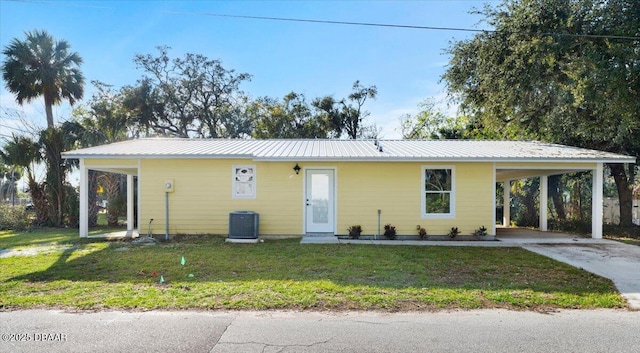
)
(538, 165)
(110, 162)
(396, 190)
(202, 199)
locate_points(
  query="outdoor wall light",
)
(297, 168)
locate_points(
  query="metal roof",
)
(352, 150)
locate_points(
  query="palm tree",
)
(22, 151)
(9, 177)
(41, 66)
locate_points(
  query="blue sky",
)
(309, 58)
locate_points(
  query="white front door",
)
(319, 201)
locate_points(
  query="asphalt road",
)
(456, 331)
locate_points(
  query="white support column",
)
(544, 202)
(138, 208)
(492, 228)
(596, 201)
(506, 209)
(130, 207)
(84, 200)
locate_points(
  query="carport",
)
(128, 169)
(508, 172)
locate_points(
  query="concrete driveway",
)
(617, 261)
(610, 259)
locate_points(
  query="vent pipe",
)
(376, 236)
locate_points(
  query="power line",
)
(389, 25)
(350, 23)
(287, 19)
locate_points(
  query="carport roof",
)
(348, 150)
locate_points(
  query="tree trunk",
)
(625, 196)
(555, 189)
(53, 143)
(93, 207)
(2, 197)
(48, 106)
(60, 195)
(111, 184)
(39, 200)
(578, 198)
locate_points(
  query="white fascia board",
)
(568, 160)
(125, 171)
(155, 156)
(439, 160)
(70, 155)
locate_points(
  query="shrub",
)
(453, 232)
(481, 232)
(421, 232)
(632, 231)
(15, 218)
(570, 225)
(71, 206)
(354, 231)
(390, 231)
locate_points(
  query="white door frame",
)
(333, 200)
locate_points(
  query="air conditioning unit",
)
(243, 225)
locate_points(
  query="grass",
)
(283, 274)
(102, 219)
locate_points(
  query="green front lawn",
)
(283, 274)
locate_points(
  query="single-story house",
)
(297, 187)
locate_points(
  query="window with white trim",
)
(438, 191)
(244, 182)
